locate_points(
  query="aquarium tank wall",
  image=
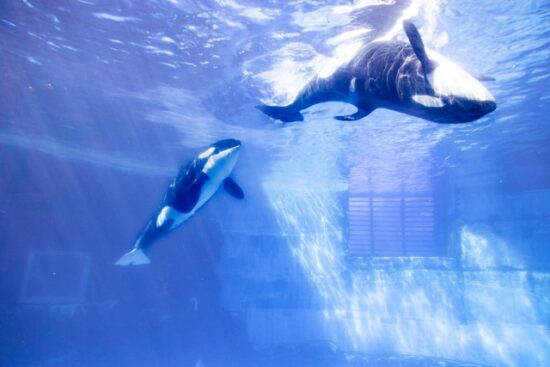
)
(391, 240)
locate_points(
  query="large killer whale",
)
(400, 76)
(194, 185)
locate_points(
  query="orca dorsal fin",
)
(418, 47)
(232, 188)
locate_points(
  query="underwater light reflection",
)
(406, 309)
(397, 305)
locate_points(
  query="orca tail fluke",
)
(283, 113)
(134, 257)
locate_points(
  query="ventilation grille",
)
(391, 225)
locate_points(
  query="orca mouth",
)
(479, 109)
(464, 110)
(458, 110)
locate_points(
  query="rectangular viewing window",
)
(392, 224)
(55, 277)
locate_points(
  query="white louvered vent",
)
(391, 225)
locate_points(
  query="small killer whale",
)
(400, 76)
(195, 184)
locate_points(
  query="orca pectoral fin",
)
(362, 111)
(232, 188)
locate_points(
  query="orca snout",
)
(464, 110)
(481, 108)
(482, 102)
(488, 106)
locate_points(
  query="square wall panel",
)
(55, 277)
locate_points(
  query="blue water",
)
(102, 101)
